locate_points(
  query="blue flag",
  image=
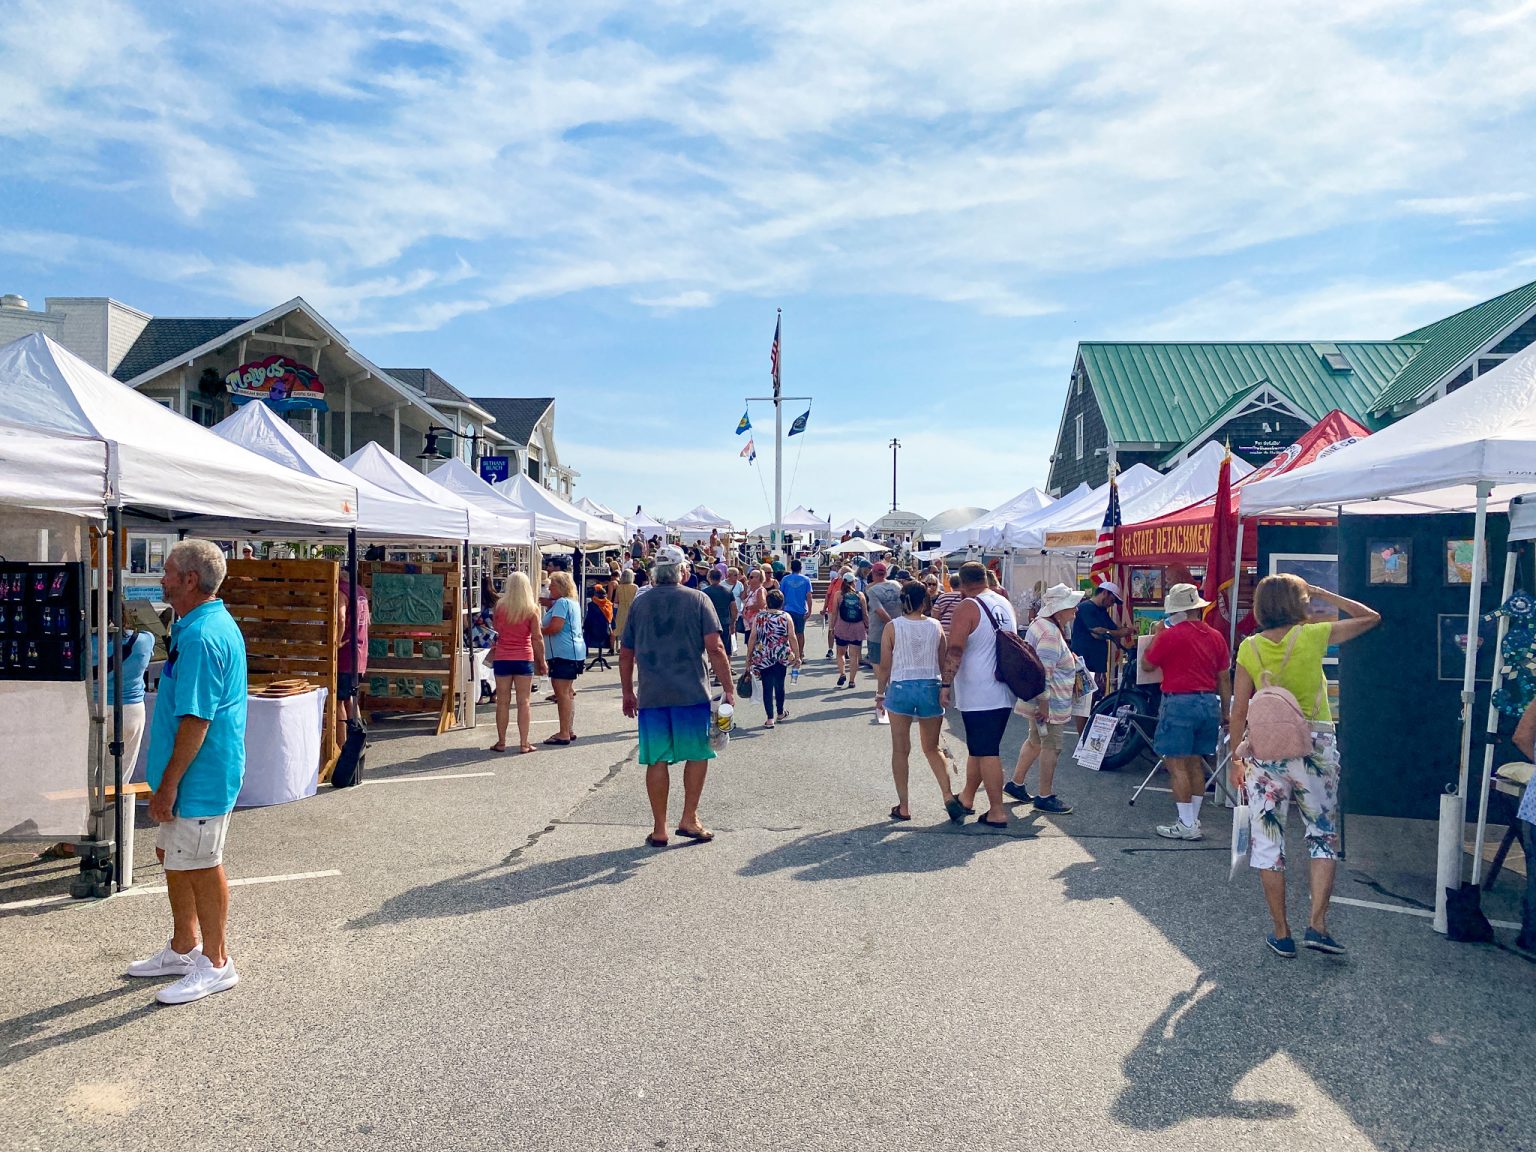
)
(743, 424)
(799, 425)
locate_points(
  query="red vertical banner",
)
(1220, 586)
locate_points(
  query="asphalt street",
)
(499, 962)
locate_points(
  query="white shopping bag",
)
(1242, 837)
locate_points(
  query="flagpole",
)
(778, 439)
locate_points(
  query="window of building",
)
(1487, 364)
(1077, 423)
(202, 411)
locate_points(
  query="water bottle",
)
(794, 674)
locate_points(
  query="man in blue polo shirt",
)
(797, 597)
(195, 765)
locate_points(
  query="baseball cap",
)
(1112, 588)
(879, 568)
(670, 556)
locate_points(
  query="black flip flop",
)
(701, 835)
(956, 810)
(896, 814)
(990, 824)
(655, 843)
(557, 741)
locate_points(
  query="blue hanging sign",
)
(495, 469)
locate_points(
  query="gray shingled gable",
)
(429, 384)
(166, 338)
(515, 415)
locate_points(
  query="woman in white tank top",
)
(911, 656)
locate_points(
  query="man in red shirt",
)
(1197, 699)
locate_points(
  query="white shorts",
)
(192, 843)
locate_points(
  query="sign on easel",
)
(1095, 742)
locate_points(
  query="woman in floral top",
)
(1050, 715)
(772, 649)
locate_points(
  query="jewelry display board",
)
(413, 637)
(290, 615)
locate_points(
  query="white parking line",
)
(1404, 910)
(433, 776)
(151, 889)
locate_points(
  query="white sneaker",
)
(203, 980)
(166, 962)
(1178, 830)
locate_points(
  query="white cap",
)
(1112, 588)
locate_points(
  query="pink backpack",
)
(1277, 727)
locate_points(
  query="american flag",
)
(773, 354)
(1104, 550)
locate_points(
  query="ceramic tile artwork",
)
(404, 649)
(378, 648)
(404, 686)
(432, 689)
(432, 649)
(378, 685)
(407, 598)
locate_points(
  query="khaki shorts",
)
(1051, 735)
(192, 843)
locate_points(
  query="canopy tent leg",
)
(1511, 558)
(114, 630)
(1237, 584)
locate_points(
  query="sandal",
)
(655, 843)
(527, 748)
(497, 747)
(956, 810)
(701, 835)
(990, 824)
(558, 741)
(896, 814)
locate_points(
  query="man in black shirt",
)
(1092, 633)
(725, 607)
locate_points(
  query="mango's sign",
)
(1176, 542)
(281, 382)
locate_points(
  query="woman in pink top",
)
(516, 655)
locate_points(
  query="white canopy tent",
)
(856, 545)
(52, 471)
(647, 526)
(699, 523)
(160, 465)
(601, 511)
(947, 521)
(380, 512)
(802, 521)
(969, 534)
(586, 529)
(854, 525)
(1193, 480)
(456, 476)
(388, 471)
(1078, 513)
(1472, 451)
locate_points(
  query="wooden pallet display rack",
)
(289, 614)
(411, 662)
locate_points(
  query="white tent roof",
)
(158, 463)
(455, 476)
(801, 520)
(898, 522)
(1432, 460)
(949, 519)
(1192, 481)
(52, 471)
(854, 525)
(699, 523)
(1026, 503)
(1019, 531)
(543, 503)
(389, 471)
(602, 511)
(857, 544)
(380, 512)
(1522, 517)
(1080, 513)
(647, 526)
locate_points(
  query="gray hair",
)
(666, 573)
(202, 557)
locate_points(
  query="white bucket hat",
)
(1183, 598)
(1058, 598)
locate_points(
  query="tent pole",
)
(115, 607)
(1237, 584)
(1469, 681)
(352, 614)
(1511, 558)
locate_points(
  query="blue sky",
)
(605, 202)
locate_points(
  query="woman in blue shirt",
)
(565, 650)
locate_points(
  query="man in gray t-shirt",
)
(667, 635)
(884, 606)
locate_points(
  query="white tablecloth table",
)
(282, 747)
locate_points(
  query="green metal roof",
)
(1447, 343)
(1168, 393)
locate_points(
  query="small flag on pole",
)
(773, 354)
(743, 424)
(1104, 550)
(750, 452)
(799, 425)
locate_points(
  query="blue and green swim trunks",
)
(673, 735)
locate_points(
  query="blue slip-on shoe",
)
(1018, 792)
(1321, 942)
(1053, 805)
(1283, 947)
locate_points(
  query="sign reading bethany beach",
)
(281, 382)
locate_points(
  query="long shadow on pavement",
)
(876, 849)
(20, 1036)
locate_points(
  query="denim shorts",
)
(919, 698)
(512, 667)
(1188, 724)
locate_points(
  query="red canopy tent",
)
(1184, 536)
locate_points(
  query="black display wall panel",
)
(43, 622)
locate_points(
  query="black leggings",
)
(773, 689)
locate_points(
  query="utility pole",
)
(895, 444)
(778, 432)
